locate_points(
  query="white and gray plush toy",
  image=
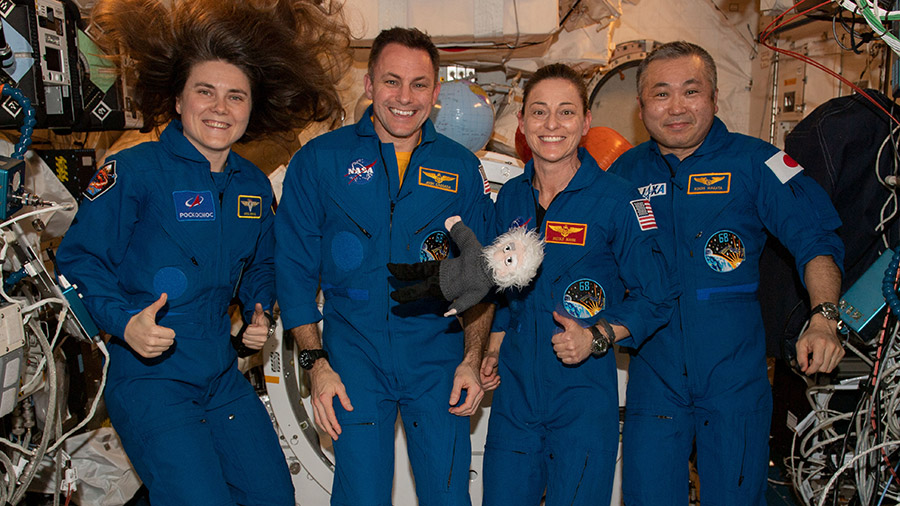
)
(512, 260)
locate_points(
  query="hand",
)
(324, 385)
(573, 344)
(466, 378)
(144, 336)
(257, 333)
(490, 380)
(449, 222)
(821, 341)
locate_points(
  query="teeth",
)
(216, 124)
(552, 139)
(402, 113)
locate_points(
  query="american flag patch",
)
(644, 213)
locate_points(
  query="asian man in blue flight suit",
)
(703, 377)
(354, 200)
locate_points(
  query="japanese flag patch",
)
(784, 166)
(644, 213)
(103, 180)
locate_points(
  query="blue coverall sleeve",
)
(93, 249)
(258, 280)
(651, 294)
(298, 238)
(800, 214)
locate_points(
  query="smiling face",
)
(403, 90)
(553, 121)
(678, 104)
(215, 108)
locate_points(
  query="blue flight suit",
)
(704, 375)
(342, 217)
(555, 425)
(155, 219)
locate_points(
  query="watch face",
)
(829, 310)
(304, 359)
(599, 346)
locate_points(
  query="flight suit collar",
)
(366, 128)
(176, 143)
(711, 143)
(584, 176)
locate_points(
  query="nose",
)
(552, 122)
(220, 105)
(405, 95)
(677, 105)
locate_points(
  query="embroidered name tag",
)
(558, 232)
(714, 182)
(249, 206)
(438, 179)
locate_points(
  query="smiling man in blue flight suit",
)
(354, 200)
(715, 195)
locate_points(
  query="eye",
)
(509, 261)
(507, 247)
(237, 98)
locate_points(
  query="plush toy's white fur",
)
(529, 260)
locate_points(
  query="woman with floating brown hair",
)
(171, 232)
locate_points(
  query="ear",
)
(716, 101)
(368, 85)
(521, 121)
(640, 108)
(588, 118)
(178, 104)
(437, 91)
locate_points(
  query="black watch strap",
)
(307, 358)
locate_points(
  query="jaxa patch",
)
(438, 179)
(558, 232)
(652, 190)
(103, 180)
(724, 251)
(643, 211)
(194, 205)
(484, 180)
(584, 298)
(436, 246)
(713, 182)
(784, 166)
(360, 172)
(250, 206)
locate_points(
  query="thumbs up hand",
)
(259, 330)
(145, 336)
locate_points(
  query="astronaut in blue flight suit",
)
(169, 233)
(703, 377)
(555, 419)
(354, 200)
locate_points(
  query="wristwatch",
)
(600, 343)
(308, 357)
(827, 309)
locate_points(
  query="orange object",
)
(603, 143)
